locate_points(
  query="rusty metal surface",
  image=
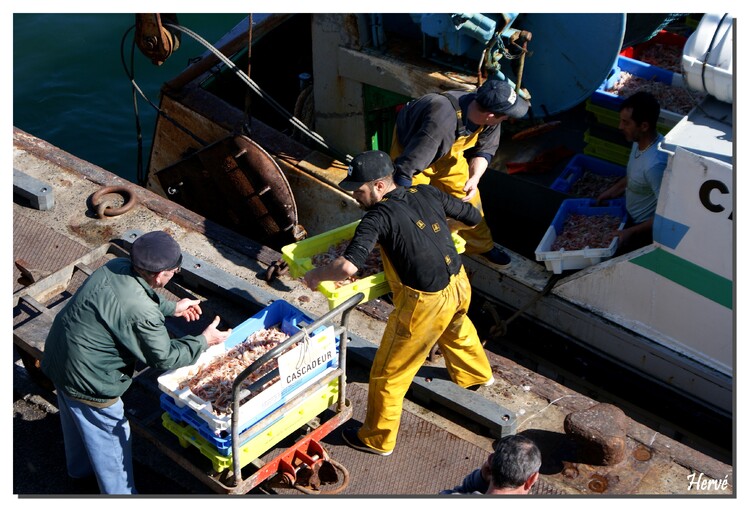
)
(170, 211)
(621, 479)
(426, 460)
(235, 182)
(40, 248)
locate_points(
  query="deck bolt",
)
(642, 453)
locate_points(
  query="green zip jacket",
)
(114, 320)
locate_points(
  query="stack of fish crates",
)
(265, 419)
(642, 63)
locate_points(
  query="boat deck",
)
(449, 442)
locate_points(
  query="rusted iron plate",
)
(237, 184)
(618, 480)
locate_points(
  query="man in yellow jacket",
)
(448, 140)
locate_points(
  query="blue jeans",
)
(97, 441)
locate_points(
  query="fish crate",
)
(560, 260)
(221, 458)
(611, 118)
(297, 366)
(671, 81)
(299, 258)
(221, 441)
(577, 168)
(603, 149)
(664, 51)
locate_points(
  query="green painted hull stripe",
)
(693, 277)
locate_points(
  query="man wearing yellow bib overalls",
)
(448, 140)
(431, 292)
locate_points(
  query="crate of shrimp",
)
(666, 86)
(581, 234)
(322, 249)
(206, 386)
(664, 51)
(587, 176)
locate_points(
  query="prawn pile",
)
(674, 99)
(591, 184)
(213, 380)
(581, 231)
(373, 264)
(663, 56)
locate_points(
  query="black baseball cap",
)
(156, 251)
(500, 97)
(366, 167)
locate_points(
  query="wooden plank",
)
(395, 75)
(30, 336)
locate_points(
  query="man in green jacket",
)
(115, 320)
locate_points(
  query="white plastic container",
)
(708, 56)
(297, 368)
(558, 261)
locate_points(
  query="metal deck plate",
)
(426, 460)
(42, 248)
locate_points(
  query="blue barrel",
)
(572, 55)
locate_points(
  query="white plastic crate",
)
(297, 367)
(558, 261)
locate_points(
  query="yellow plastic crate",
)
(609, 117)
(606, 150)
(264, 440)
(299, 258)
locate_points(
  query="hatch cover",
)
(236, 183)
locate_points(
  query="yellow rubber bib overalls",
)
(449, 174)
(418, 321)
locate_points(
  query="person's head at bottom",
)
(514, 466)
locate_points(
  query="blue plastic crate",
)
(640, 69)
(612, 77)
(578, 165)
(289, 319)
(221, 441)
(320, 399)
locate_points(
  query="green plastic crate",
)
(299, 258)
(611, 118)
(605, 150)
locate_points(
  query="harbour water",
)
(71, 87)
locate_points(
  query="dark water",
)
(70, 87)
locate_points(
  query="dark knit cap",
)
(156, 251)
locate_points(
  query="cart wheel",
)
(328, 473)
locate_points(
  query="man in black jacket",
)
(431, 292)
